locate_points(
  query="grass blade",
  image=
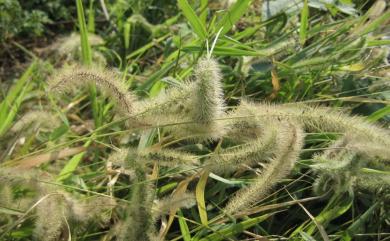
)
(195, 22)
(234, 229)
(184, 227)
(233, 15)
(10, 105)
(91, 17)
(86, 54)
(203, 11)
(377, 23)
(379, 114)
(85, 47)
(304, 23)
(199, 192)
(72, 165)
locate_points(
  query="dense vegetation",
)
(194, 120)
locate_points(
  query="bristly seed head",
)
(106, 81)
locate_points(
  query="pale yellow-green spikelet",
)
(43, 119)
(164, 157)
(208, 105)
(190, 109)
(317, 119)
(13, 176)
(70, 45)
(6, 201)
(169, 107)
(335, 174)
(289, 141)
(256, 138)
(375, 183)
(68, 48)
(243, 124)
(138, 222)
(9, 200)
(371, 149)
(118, 157)
(51, 214)
(168, 157)
(92, 209)
(6, 196)
(162, 206)
(339, 167)
(106, 81)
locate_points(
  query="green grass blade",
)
(10, 105)
(377, 23)
(379, 114)
(378, 42)
(306, 236)
(86, 54)
(156, 76)
(14, 91)
(203, 11)
(234, 229)
(127, 35)
(232, 16)
(185, 231)
(199, 192)
(72, 164)
(85, 47)
(70, 167)
(359, 223)
(147, 138)
(195, 22)
(304, 23)
(91, 17)
(15, 107)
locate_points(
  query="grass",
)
(330, 55)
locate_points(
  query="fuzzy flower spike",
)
(106, 81)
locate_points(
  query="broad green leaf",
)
(304, 23)
(86, 55)
(378, 42)
(185, 231)
(14, 108)
(91, 17)
(58, 132)
(379, 114)
(165, 68)
(353, 67)
(358, 224)
(70, 167)
(203, 11)
(199, 192)
(85, 47)
(10, 105)
(166, 188)
(143, 49)
(225, 233)
(72, 164)
(233, 15)
(127, 34)
(193, 19)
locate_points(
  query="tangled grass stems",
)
(265, 137)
